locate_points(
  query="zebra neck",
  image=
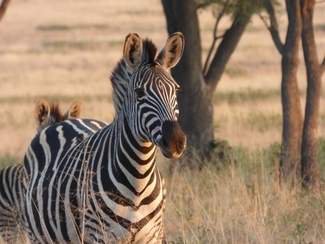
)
(134, 160)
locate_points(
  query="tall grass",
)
(241, 203)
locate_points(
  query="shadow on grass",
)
(56, 97)
(67, 45)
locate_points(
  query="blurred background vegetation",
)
(65, 51)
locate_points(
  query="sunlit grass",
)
(241, 203)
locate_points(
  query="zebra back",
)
(13, 180)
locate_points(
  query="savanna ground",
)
(65, 50)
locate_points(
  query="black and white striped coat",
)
(12, 193)
(91, 182)
(13, 178)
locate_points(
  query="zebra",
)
(106, 187)
(13, 179)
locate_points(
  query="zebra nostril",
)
(176, 139)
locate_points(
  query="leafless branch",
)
(215, 36)
(225, 49)
(264, 20)
(3, 7)
(273, 27)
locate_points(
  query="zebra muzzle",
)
(173, 141)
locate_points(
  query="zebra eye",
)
(139, 92)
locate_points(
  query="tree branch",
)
(215, 36)
(3, 8)
(225, 49)
(264, 21)
(273, 28)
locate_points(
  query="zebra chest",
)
(149, 228)
(121, 222)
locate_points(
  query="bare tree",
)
(290, 96)
(314, 70)
(300, 137)
(199, 81)
(3, 7)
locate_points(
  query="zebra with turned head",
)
(13, 178)
(105, 187)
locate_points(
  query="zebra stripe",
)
(105, 187)
(12, 189)
(14, 182)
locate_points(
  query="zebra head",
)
(151, 106)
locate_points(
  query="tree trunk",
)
(291, 108)
(309, 163)
(196, 96)
(195, 101)
(3, 7)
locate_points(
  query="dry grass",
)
(228, 207)
(242, 203)
(65, 50)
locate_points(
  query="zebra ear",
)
(73, 111)
(173, 50)
(132, 50)
(43, 109)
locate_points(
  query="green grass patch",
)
(56, 97)
(64, 27)
(246, 95)
(141, 12)
(234, 72)
(263, 122)
(251, 95)
(67, 45)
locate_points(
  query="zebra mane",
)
(121, 74)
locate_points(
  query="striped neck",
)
(131, 163)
